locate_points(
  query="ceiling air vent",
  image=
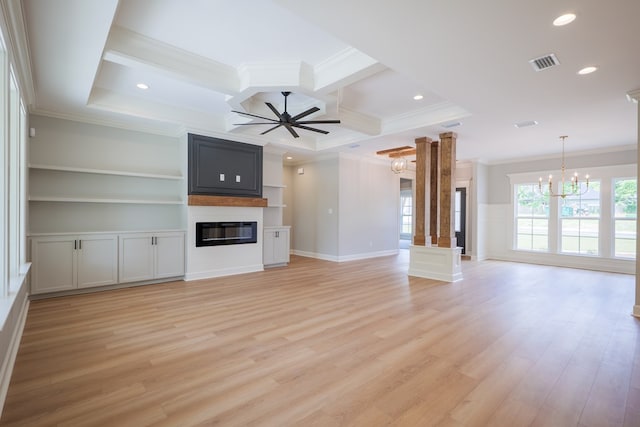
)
(451, 125)
(544, 62)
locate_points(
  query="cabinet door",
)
(268, 249)
(136, 257)
(54, 264)
(281, 247)
(97, 260)
(169, 255)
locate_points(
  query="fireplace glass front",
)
(226, 233)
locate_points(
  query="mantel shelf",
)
(251, 202)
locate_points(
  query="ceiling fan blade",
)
(305, 113)
(257, 123)
(253, 115)
(310, 122)
(270, 129)
(311, 129)
(289, 127)
(272, 108)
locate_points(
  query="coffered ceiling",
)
(359, 62)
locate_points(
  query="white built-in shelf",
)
(274, 185)
(104, 200)
(277, 206)
(106, 172)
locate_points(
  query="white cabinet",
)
(276, 246)
(149, 256)
(67, 262)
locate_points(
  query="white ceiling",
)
(360, 62)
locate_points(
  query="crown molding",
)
(634, 96)
(134, 50)
(360, 122)
(344, 68)
(428, 116)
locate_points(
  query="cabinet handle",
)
(75, 245)
(80, 244)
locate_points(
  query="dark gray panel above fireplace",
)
(220, 167)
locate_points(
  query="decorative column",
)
(447, 238)
(433, 193)
(421, 166)
(442, 262)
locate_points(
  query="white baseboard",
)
(12, 351)
(315, 255)
(223, 272)
(367, 255)
(345, 258)
(569, 261)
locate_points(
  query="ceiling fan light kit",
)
(285, 119)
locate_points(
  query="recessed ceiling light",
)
(587, 70)
(418, 97)
(289, 158)
(142, 86)
(565, 19)
(526, 124)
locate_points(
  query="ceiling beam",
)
(393, 150)
(404, 153)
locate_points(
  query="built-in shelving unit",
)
(89, 179)
(273, 211)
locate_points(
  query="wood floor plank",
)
(337, 344)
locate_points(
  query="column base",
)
(636, 311)
(432, 262)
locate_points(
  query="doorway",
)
(461, 217)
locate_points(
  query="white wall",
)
(369, 197)
(343, 208)
(315, 217)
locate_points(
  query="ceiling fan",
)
(285, 119)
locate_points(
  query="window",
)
(406, 208)
(598, 222)
(532, 218)
(580, 220)
(625, 202)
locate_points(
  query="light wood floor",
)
(328, 344)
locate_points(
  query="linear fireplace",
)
(226, 233)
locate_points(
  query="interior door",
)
(461, 217)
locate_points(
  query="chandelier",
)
(574, 188)
(399, 165)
